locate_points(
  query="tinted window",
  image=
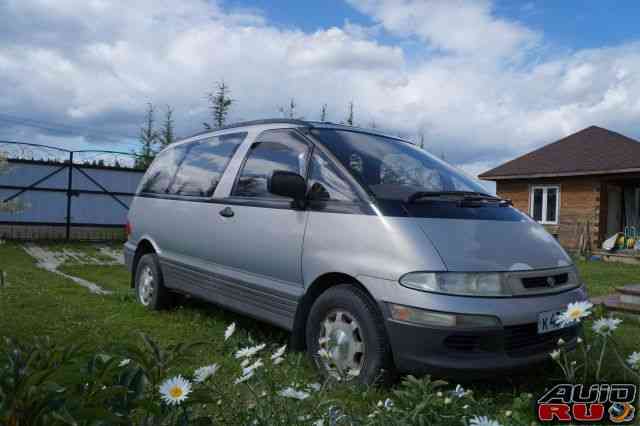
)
(393, 169)
(275, 151)
(162, 170)
(204, 164)
(325, 183)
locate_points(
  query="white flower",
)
(292, 393)
(279, 353)
(251, 368)
(634, 360)
(175, 390)
(606, 326)
(465, 406)
(483, 421)
(278, 361)
(324, 354)
(459, 391)
(561, 341)
(318, 422)
(245, 362)
(203, 373)
(314, 386)
(244, 377)
(580, 340)
(447, 401)
(124, 362)
(229, 331)
(249, 352)
(574, 313)
(555, 354)
(508, 413)
(439, 394)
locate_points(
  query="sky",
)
(484, 81)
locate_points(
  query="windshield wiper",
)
(466, 198)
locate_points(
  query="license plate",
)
(547, 321)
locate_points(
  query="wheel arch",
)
(145, 246)
(317, 287)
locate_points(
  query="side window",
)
(204, 164)
(275, 150)
(162, 171)
(325, 183)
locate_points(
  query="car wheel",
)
(346, 336)
(150, 289)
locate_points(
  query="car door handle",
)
(227, 212)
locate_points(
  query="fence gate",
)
(66, 193)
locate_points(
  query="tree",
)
(290, 110)
(350, 115)
(219, 104)
(167, 134)
(148, 139)
(421, 140)
(323, 113)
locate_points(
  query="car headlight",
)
(460, 283)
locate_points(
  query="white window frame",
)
(545, 189)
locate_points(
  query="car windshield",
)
(393, 169)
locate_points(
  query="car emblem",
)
(551, 281)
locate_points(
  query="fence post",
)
(69, 187)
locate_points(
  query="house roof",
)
(593, 150)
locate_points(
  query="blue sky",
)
(482, 80)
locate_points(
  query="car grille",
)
(545, 281)
(517, 341)
(520, 340)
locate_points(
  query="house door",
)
(614, 209)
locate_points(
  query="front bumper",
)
(475, 352)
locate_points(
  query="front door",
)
(261, 233)
(614, 209)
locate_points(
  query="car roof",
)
(298, 123)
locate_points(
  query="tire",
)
(371, 352)
(150, 289)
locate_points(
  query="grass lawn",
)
(37, 302)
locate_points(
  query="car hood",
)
(489, 245)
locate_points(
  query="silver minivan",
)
(368, 249)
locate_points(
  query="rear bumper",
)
(129, 253)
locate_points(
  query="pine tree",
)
(421, 140)
(167, 134)
(148, 139)
(219, 104)
(350, 115)
(289, 111)
(323, 113)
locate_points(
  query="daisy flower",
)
(229, 331)
(278, 360)
(292, 393)
(251, 368)
(279, 353)
(483, 421)
(124, 362)
(244, 377)
(574, 313)
(203, 373)
(634, 360)
(606, 326)
(249, 352)
(175, 390)
(459, 391)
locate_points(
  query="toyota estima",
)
(360, 244)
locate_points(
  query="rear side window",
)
(203, 165)
(275, 150)
(160, 174)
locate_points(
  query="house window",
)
(545, 204)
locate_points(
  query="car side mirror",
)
(289, 184)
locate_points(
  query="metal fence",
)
(64, 188)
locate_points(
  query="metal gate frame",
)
(69, 166)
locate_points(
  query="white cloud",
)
(470, 88)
